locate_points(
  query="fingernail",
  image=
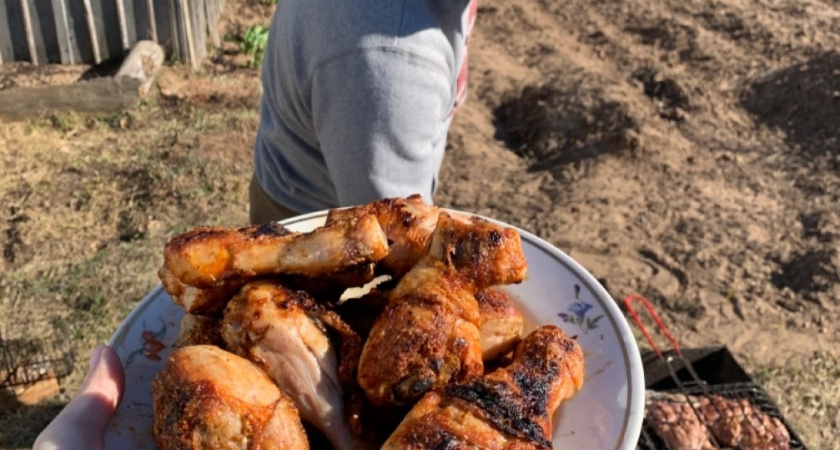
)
(95, 355)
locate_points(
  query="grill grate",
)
(24, 361)
(703, 413)
(757, 397)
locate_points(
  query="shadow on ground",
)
(803, 100)
(25, 433)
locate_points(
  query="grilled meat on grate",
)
(733, 422)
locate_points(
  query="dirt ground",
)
(686, 151)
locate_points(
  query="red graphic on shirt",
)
(463, 74)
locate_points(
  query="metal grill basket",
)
(26, 360)
(711, 390)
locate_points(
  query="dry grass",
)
(807, 390)
(88, 203)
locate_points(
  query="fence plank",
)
(164, 26)
(188, 27)
(212, 10)
(62, 31)
(109, 35)
(17, 31)
(150, 7)
(92, 34)
(137, 16)
(45, 27)
(82, 46)
(123, 25)
(7, 52)
(30, 32)
(178, 37)
(199, 23)
(96, 31)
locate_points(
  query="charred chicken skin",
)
(510, 408)
(407, 223)
(486, 253)
(283, 332)
(428, 333)
(206, 265)
(208, 398)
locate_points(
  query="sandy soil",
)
(686, 151)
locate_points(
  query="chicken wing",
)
(511, 408)
(428, 333)
(219, 260)
(206, 398)
(278, 329)
(407, 222)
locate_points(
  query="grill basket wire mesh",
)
(695, 387)
(33, 350)
(757, 397)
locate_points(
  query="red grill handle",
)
(662, 328)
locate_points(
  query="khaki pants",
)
(263, 208)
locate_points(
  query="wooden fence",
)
(93, 31)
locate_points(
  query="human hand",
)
(81, 424)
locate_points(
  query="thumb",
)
(81, 424)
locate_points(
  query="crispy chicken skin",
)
(501, 327)
(428, 333)
(208, 398)
(424, 337)
(219, 260)
(511, 408)
(502, 323)
(199, 330)
(407, 222)
(279, 330)
(486, 253)
(199, 300)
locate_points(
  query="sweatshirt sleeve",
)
(381, 117)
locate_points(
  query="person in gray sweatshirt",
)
(358, 96)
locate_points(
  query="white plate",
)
(605, 414)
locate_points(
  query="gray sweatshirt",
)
(357, 98)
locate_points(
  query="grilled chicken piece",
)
(428, 333)
(199, 300)
(502, 323)
(407, 222)
(511, 408)
(214, 259)
(485, 253)
(424, 337)
(206, 397)
(501, 327)
(279, 330)
(199, 330)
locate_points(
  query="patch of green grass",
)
(252, 43)
(65, 121)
